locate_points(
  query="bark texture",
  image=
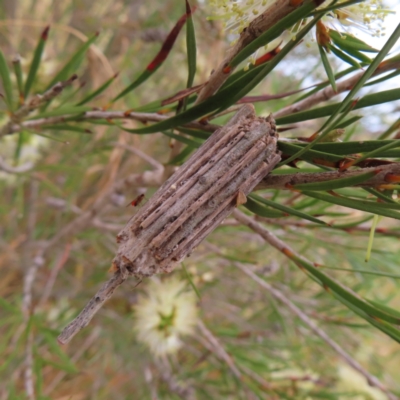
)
(195, 200)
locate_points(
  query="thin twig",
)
(328, 92)
(94, 305)
(308, 225)
(280, 245)
(286, 181)
(107, 115)
(216, 348)
(36, 102)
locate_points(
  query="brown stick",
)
(287, 180)
(108, 115)
(94, 305)
(328, 92)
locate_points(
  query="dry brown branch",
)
(93, 306)
(107, 115)
(190, 205)
(211, 343)
(36, 102)
(283, 247)
(285, 181)
(266, 20)
(328, 92)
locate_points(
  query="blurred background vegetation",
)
(248, 345)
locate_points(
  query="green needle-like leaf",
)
(373, 208)
(6, 79)
(341, 148)
(18, 76)
(285, 209)
(326, 83)
(369, 100)
(158, 60)
(189, 278)
(339, 290)
(274, 32)
(328, 68)
(364, 271)
(192, 143)
(356, 54)
(344, 57)
(237, 90)
(350, 42)
(312, 156)
(348, 122)
(98, 91)
(392, 128)
(384, 308)
(262, 210)
(377, 151)
(384, 78)
(335, 183)
(371, 237)
(74, 62)
(348, 99)
(224, 98)
(37, 56)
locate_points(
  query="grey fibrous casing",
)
(189, 205)
(198, 196)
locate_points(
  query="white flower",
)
(368, 15)
(237, 14)
(164, 314)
